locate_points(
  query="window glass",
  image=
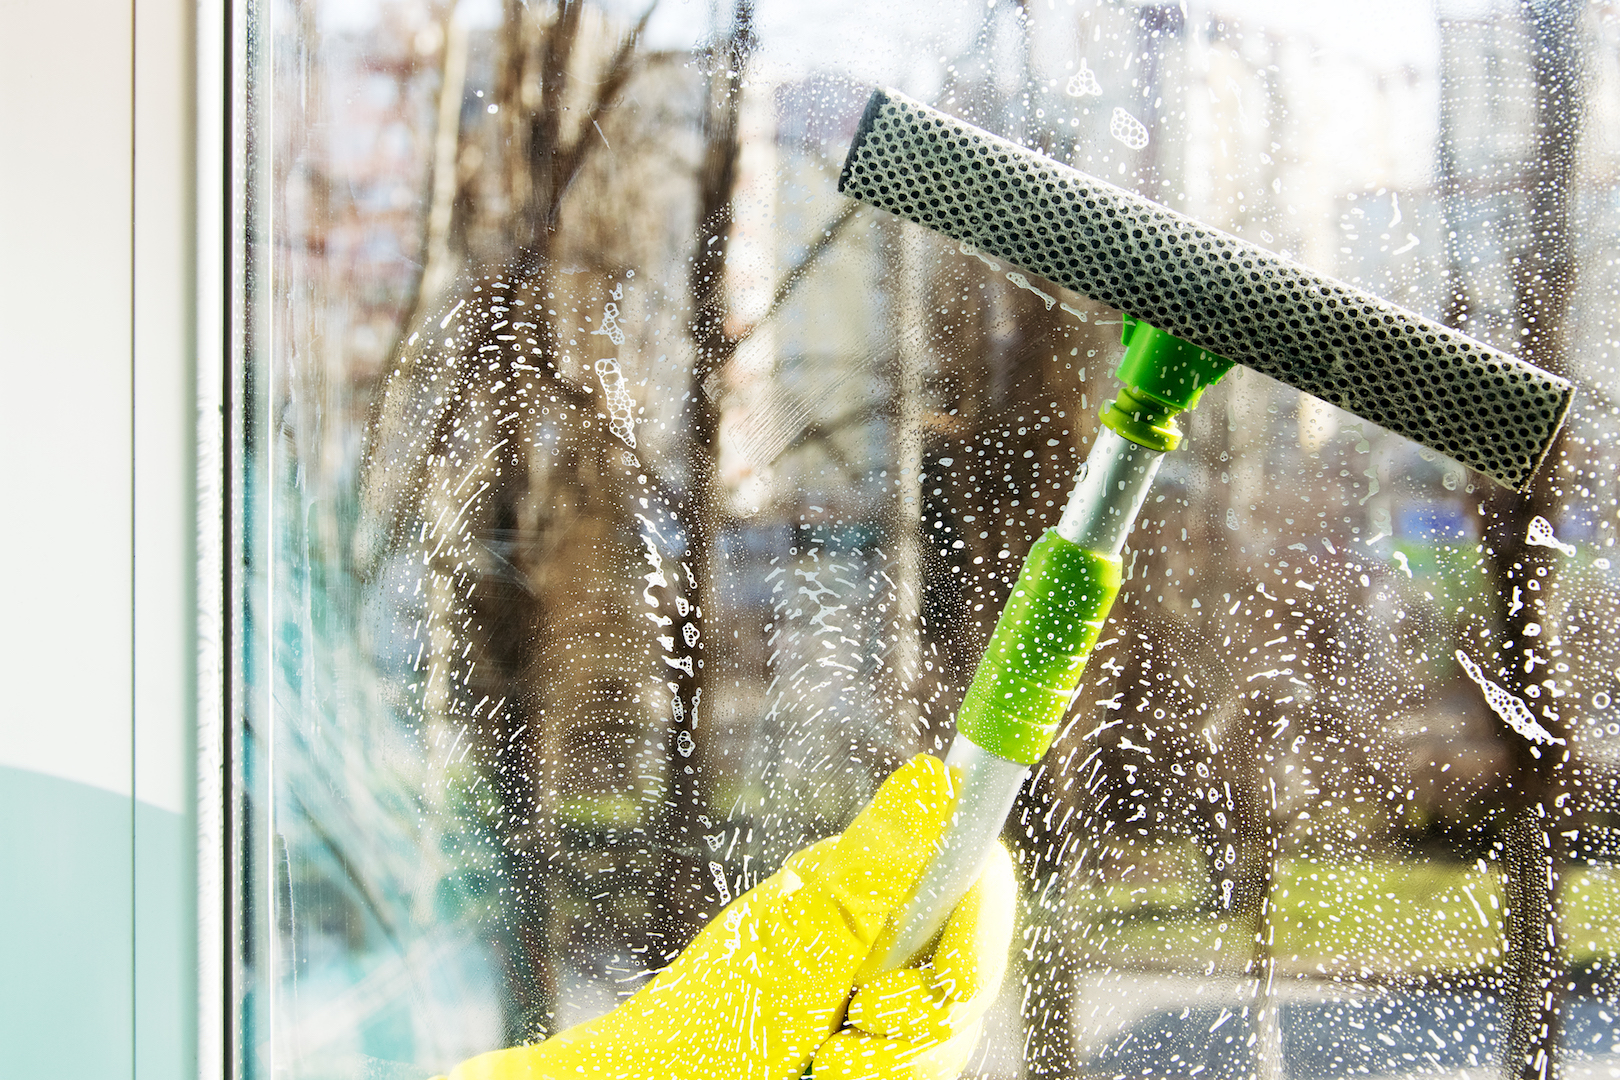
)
(618, 504)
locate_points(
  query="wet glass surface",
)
(617, 505)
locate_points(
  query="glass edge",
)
(219, 103)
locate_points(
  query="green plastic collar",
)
(1039, 649)
(1163, 376)
(1143, 421)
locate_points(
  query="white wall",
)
(66, 218)
(96, 236)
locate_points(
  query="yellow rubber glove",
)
(762, 992)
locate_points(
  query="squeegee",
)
(1195, 301)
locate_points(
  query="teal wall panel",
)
(66, 903)
(165, 945)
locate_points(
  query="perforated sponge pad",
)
(1412, 375)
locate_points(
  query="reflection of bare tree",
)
(701, 511)
(540, 666)
(484, 464)
(546, 699)
(1543, 282)
(907, 290)
(435, 268)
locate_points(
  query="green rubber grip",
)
(1022, 689)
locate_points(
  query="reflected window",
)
(619, 504)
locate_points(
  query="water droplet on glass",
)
(1127, 129)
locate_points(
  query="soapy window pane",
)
(620, 504)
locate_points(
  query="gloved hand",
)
(764, 990)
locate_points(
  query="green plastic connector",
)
(1163, 376)
(1039, 649)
